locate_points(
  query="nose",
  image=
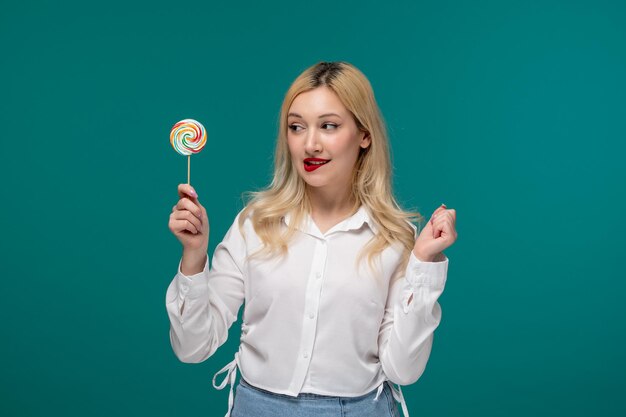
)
(312, 143)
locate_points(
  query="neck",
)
(330, 203)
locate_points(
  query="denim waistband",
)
(302, 395)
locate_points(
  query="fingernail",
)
(193, 193)
(443, 205)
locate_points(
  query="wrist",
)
(427, 258)
(193, 262)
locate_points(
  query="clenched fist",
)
(190, 224)
(438, 234)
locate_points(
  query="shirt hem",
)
(314, 391)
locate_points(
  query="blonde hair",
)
(371, 180)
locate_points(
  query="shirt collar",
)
(354, 222)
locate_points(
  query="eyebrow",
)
(320, 117)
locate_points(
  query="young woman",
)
(340, 289)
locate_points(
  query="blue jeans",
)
(251, 401)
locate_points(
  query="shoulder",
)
(243, 221)
(240, 236)
(244, 224)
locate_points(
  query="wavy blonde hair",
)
(371, 179)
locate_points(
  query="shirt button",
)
(318, 275)
(306, 354)
(184, 288)
(311, 315)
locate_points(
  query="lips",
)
(311, 164)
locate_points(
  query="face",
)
(323, 138)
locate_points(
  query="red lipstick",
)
(311, 164)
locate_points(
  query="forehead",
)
(318, 101)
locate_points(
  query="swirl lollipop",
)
(188, 136)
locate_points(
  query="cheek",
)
(291, 146)
(293, 150)
(350, 149)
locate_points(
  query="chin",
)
(315, 183)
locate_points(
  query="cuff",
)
(424, 280)
(192, 286)
(429, 274)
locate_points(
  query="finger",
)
(438, 211)
(186, 203)
(438, 223)
(451, 213)
(189, 205)
(447, 212)
(186, 215)
(452, 216)
(436, 226)
(444, 225)
(183, 225)
(437, 229)
(186, 190)
(203, 211)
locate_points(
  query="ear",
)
(366, 141)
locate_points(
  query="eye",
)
(295, 128)
(329, 126)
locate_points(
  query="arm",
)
(412, 314)
(202, 307)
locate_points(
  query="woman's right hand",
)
(189, 221)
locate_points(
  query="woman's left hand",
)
(438, 234)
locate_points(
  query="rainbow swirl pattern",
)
(188, 136)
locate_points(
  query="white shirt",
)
(312, 322)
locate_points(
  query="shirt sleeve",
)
(406, 334)
(202, 307)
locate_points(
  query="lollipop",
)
(188, 136)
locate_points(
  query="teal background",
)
(513, 113)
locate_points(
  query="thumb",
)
(436, 233)
(186, 190)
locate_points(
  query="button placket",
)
(309, 319)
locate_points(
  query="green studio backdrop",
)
(513, 113)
